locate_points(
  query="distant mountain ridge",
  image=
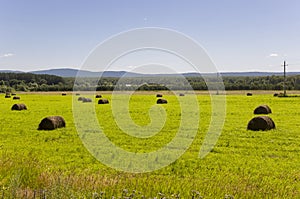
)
(84, 73)
(10, 71)
(69, 72)
(66, 72)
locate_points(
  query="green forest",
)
(10, 82)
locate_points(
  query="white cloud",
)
(131, 67)
(6, 55)
(273, 55)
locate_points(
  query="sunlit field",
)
(243, 164)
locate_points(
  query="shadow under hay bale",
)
(159, 95)
(80, 98)
(181, 94)
(18, 107)
(64, 94)
(7, 96)
(263, 123)
(85, 100)
(77, 94)
(103, 101)
(249, 94)
(263, 109)
(98, 96)
(275, 94)
(161, 101)
(13, 94)
(16, 98)
(51, 123)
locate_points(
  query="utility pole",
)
(284, 78)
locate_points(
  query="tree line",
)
(10, 82)
(31, 82)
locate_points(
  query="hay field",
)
(243, 164)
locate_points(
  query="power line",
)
(294, 64)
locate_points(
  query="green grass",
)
(243, 164)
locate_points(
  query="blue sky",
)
(238, 35)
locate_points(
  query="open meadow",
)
(243, 164)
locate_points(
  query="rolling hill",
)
(69, 72)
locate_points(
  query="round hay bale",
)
(77, 94)
(84, 100)
(64, 94)
(16, 98)
(249, 94)
(18, 107)
(263, 123)
(161, 101)
(159, 95)
(275, 94)
(98, 96)
(181, 94)
(103, 101)
(52, 122)
(262, 109)
(80, 98)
